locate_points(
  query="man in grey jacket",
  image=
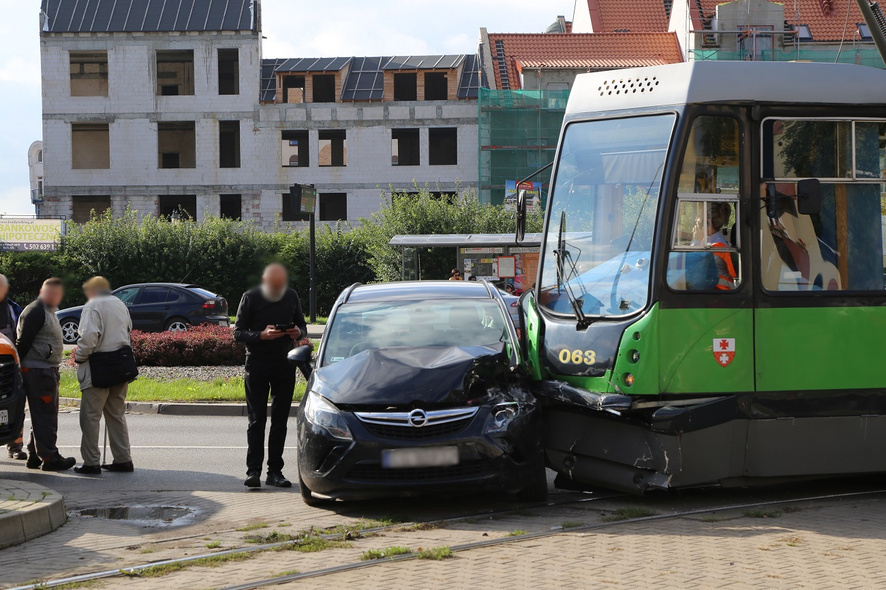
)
(40, 347)
(104, 327)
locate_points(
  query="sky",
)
(294, 28)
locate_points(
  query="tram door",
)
(821, 310)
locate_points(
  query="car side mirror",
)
(809, 196)
(521, 215)
(300, 354)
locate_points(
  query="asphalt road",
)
(171, 453)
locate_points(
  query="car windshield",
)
(602, 216)
(436, 322)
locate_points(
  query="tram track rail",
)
(461, 548)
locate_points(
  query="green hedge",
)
(227, 257)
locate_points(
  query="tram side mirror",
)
(521, 215)
(771, 201)
(809, 196)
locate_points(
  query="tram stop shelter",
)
(493, 257)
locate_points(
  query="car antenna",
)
(186, 276)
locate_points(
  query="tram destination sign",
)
(25, 235)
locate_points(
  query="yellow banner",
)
(30, 234)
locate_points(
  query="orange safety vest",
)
(725, 283)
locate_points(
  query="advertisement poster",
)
(533, 194)
(527, 270)
(25, 235)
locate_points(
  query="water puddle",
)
(147, 516)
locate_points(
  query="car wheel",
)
(309, 498)
(177, 325)
(537, 490)
(70, 331)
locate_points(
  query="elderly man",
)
(9, 312)
(269, 320)
(40, 347)
(104, 327)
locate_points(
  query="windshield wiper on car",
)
(567, 273)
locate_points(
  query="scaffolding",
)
(518, 132)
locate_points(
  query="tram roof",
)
(727, 82)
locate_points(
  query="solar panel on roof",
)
(110, 16)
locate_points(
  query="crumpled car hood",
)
(411, 377)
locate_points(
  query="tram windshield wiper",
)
(566, 271)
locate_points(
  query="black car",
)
(419, 387)
(158, 307)
(12, 395)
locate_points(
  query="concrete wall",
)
(133, 111)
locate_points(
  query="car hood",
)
(411, 377)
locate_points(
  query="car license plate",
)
(428, 457)
(4, 417)
(224, 323)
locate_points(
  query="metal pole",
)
(312, 299)
(873, 16)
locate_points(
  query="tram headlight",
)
(629, 379)
(635, 356)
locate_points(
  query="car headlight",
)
(501, 417)
(323, 414)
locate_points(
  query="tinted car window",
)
(202, 292)
(363, 326)
(174, 295)
(154, 295)
(127, 296)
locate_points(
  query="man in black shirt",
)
(269, 321)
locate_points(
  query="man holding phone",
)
(269, 321)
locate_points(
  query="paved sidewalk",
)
(28, 511)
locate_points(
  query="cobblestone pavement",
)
(823, 543)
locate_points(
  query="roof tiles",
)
(590, 51)
(618, 16)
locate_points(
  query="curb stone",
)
(180, 408)
(28, 511)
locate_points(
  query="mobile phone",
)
(284, 327)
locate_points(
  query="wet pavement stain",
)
(146, 516)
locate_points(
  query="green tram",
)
(710, 305)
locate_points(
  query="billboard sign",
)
(24, 235)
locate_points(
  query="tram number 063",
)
(578, 357)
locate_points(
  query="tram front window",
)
(603, 208)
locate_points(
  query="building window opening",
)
(39, 156)
(405, 147)
(333, 206)
(175, 73)
(324, 88)
(295, 149)
(229, 144)
(89, 73)
(293, 89)
(436, 86)
(83, 207)
(177, 207)
(228, 71)
(333, 148)
(443, 148)
(177, 145)
(405, 87)
(231, 207)
(90, 146)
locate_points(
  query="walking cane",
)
(105, 451)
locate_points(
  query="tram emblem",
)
(724, 350)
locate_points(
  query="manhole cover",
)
(154, 516)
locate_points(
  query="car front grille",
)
(401, 425)
(375, 472)
(7, 375)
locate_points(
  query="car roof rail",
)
(347, 292)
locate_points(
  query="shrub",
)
(201, 345)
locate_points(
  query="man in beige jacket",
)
(104, 327)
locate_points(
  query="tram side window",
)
(704, 245)
(837, 244)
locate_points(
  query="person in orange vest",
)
(718, 218)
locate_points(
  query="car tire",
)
(177, 325)
(537, 490)
(70, 330)
(309, 498)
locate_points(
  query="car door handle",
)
(168, 307)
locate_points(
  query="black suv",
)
(158, 307)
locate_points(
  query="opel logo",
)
(417, 418)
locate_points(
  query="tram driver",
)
(712, 235)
